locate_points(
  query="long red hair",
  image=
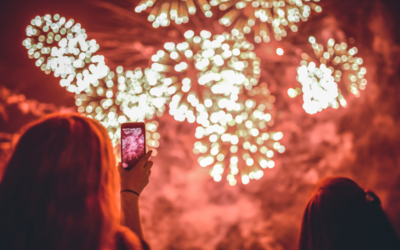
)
(340, 215)
(59, 189)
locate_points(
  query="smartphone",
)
(133, 143)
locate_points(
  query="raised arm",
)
(132, 184)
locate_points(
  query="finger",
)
(148, 165)
(119, 167)
(144, 158)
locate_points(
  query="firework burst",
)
(177, 10)
(201, 69)
(139, 96)
(61, 46)
(337, 65)
(266, 18)
(237, 140)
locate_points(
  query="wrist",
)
(131, 187)
(129, 198)
(130, 191)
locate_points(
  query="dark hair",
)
(59, 189)
(340, 215)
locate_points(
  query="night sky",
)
(183, 208)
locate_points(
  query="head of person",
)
(59, 189)
(340, 215)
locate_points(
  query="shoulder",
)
(127, 240)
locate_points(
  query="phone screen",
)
(132, 144)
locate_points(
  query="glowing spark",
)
(112, 99)
(236, 140)
(177, 10)
(202, 68)
(254, 15)
(338, 64)
(293, 92)
(279, 51)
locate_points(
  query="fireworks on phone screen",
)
(132, 146)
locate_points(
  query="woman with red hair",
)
(340, 215)
(60, 190)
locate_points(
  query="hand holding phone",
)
(137, 178)
(133, 143)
